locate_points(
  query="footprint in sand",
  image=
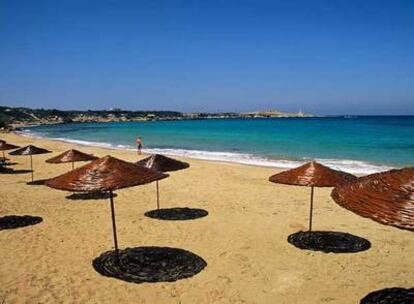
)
(294, 227)
(289, 281)
(225, 280)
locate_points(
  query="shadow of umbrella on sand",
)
(387, 198)
(162, 163)
(314, 174)
(71, 156)
(30, 150)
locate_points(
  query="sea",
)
(355, 144)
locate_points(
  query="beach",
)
(243, 239)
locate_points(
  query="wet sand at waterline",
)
(243, 239)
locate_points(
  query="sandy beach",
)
(243, 239)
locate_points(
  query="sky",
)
(324, 57)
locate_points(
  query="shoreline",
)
(355, 167)
(17, 137)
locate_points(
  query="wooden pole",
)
(31, 165)
(73, 165)
(158, 196)
(311, 211)
(114, 227)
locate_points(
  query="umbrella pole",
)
(311, 212)
(114, 227)
(73, 165)
(4, 156)
(158, 196)
(31, 165)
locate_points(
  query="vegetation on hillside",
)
(24, 116)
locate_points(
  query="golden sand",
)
(243, 239)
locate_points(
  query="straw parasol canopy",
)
(30, 150)
(162, 163)
(5, 146)
(312, 174)
(71, 156)
(387, 197)
(105, 174)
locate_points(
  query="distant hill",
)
(17, 117)
(12, 118)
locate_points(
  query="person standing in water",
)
(138, 141)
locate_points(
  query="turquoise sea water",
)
(356, 144)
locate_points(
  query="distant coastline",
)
(15, 118)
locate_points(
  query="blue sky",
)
(326, 57)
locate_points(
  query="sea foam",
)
(350, 166)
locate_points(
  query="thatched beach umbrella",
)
(105, 174)
(71, 156)
(5, 146)
(387, 198)
(162, 163)
(30, 150)
(312, 175)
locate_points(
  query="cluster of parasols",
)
(387, 198)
